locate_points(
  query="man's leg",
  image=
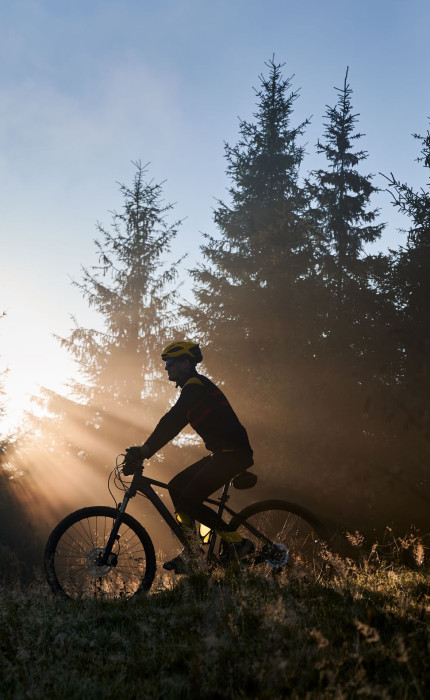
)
(176, 486)
(195, 483)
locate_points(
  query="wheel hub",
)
(94, 565)
(277, 555)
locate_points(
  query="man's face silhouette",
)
(178, 369)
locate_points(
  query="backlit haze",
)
(86, 88)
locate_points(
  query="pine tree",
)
(132, 290)
(356, 359)
(252, 287)
(342, 196)
(411, 287)
(357, 340)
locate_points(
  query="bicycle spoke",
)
(296, 544)
(76, 555)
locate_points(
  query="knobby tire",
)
(73, 548)
(296, 528)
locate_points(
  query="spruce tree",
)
(132, 290)
(356, 359)
(357, 314)
(411, 287)
(253, 286)
(343, 195)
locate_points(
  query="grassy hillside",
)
(236, 634)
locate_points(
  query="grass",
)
(363, 632)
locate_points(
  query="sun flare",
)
(33, 359)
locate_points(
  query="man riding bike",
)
(204, 406)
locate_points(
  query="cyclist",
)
(204, 406)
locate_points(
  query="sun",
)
(32, 358)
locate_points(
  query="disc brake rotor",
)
(95, 568)
(278, 555)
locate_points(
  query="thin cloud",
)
(44, 124)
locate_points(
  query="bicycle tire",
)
(299, 532)
(75, 543)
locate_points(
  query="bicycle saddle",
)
(244, 480)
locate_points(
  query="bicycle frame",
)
(144, 485)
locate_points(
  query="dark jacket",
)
(203, 405)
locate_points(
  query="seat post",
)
(224, 497)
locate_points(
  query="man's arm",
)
(173, 421)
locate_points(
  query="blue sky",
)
(86, 87)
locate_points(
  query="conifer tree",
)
(253, 286)
(355, 356)
(132, 290)
(411, 288)
(357, 315)
(343, 195)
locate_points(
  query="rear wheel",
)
(75, 548)
(297, 538)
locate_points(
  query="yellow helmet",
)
(182, 348)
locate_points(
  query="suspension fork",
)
(113, 537)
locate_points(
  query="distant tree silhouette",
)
(358, 315)
(410, 285)
(132, 290)
(359, 356)
(342, 196)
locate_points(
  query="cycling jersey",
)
(204, 406)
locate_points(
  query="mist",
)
(321, 347)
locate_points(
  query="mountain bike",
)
(104, 552)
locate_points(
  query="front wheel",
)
(75, 548)
(297, 538)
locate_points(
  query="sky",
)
(89, 86)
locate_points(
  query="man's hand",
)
(133, 459)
